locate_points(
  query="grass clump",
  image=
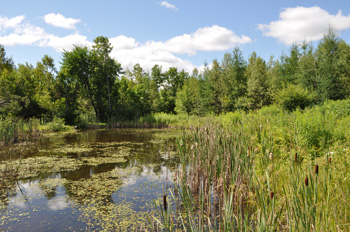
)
(14, 130)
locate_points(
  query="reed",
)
(236, 179)
(17, 130)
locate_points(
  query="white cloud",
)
(67, 42)
(213, 38)
(21, 33)
(147, 54)
(24, 33)
(59, 20)
(167, 5)
(6, 22)
(304, 24)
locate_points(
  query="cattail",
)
(296, 157)
(316, 169)
(164, 202)
(329, 160)
(306, 181)
(271, 195)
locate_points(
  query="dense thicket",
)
(91, 83)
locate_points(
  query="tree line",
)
(91, 82)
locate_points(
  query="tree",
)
(215, 93)
(343, 68)
(78, 64)
(7, 76)
(173, 81)
(106, 71)
(187, 98)
(234, 79)
(258, 85)
(307, 73)
(289, 65)
(327, 55)
(96, 73)
(156, 82)
(5, 62)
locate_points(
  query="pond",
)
(85, 181)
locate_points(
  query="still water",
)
(89, 180)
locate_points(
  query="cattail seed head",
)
(316, 169)
(329, 160)
(296, 157)
(306, 181)
(271, 156)
(164, 202)
(271, 195)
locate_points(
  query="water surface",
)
(90, 180)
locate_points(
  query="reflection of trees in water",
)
(84, 172)
(8, 185)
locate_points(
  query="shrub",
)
(293, 97)
(57, 124)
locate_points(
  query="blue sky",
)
(173, 33)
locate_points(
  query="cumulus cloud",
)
(167, 5)
(66, 42)
(6, 22)
(147, 54)
(16, 31)
(304, 24)
(59, 20)
(213, 38)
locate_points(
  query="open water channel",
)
(86, 181)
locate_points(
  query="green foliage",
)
(56, 125)
(327, 54)
(257, 82)
(293, 97)
(187, 98)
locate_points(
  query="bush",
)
(56, 125)
(316, 129)
(293, 97)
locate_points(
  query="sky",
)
(175, 33)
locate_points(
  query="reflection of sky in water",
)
(34, 211)
(58, 203)
(143, 187)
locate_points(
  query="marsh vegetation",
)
(263, 171)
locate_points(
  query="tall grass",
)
(268, 170)
(17, 130)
